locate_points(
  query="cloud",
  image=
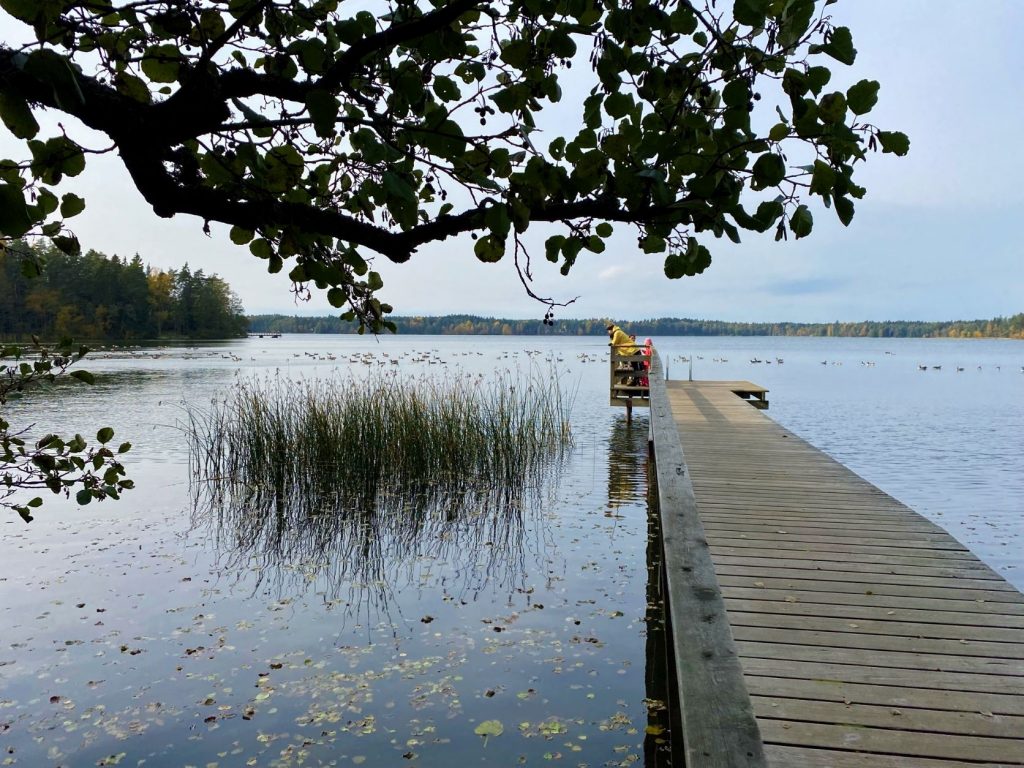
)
(814, 286)
(610, 273)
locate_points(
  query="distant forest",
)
(98, 297)
(999, 327)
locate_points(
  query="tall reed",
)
(328, 446)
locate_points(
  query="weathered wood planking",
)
(718, 726)
(867, 635)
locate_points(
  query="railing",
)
(628, 377)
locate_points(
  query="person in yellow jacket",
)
(621, 342)
(623, 345)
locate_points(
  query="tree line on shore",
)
(999, 327)
(52, 295)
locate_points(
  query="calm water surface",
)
(138, 632)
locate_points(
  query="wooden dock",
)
(816, 620)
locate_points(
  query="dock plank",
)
(868, 636)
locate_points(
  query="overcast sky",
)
(937, 237)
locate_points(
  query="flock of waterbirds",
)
(865, 363)
(433, 357)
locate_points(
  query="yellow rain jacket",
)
(622, 344)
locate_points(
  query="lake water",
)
(138, 631)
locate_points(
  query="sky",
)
(937, 236)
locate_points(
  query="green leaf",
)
(801, 222)
(618, 105)
(736, 93)
(397, 186)
(844, 209)
(124, 447)
(161, 63)
(794, 20)
(323, 111)
(604, 229)
(83, 497)
(14, 217)
(17, 116)
(675, 266)
(445, 139)
(133, 87)
(489, 249)
(778, 132)
(817, 78)
(517, 53)
(832, 108)
(261, 248)
(283, 168)
(240, 236)
(84, 376)
(68, 244)
(497, 219)
(839, 47)
(823, 178)
(337, 297)
(895, 142)
(27, 11)
(489, 728)
(862, 96)
(446, 89)
(105, 434)
(47, 203)
(71, 205)
(768, 171)
(750, 12)
(374, 281)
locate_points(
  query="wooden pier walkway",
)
(817, 621)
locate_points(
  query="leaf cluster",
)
(59, 464)
(326, 138)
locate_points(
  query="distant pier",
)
(815, 620)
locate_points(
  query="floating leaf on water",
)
(489, 728)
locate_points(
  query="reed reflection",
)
(359, 555)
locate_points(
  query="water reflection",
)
(462, 541)
(627, 463)
(659, 673)
(629, 482)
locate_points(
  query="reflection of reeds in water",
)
(347, 479)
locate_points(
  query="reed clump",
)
(335, 445)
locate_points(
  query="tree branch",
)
(346, 64)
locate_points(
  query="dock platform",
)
(818, 621)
